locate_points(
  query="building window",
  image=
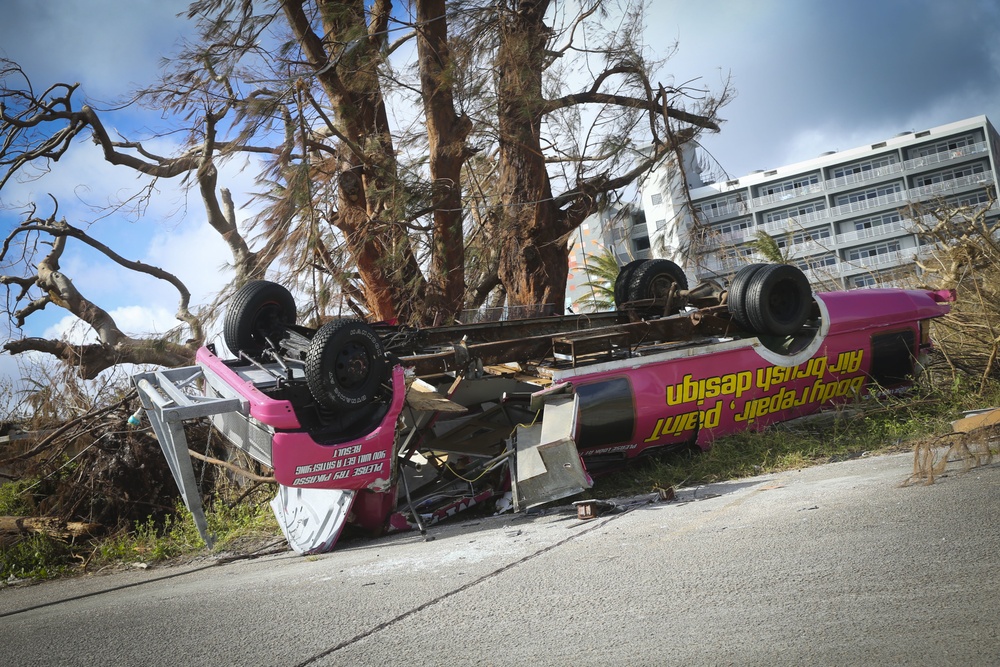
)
(656, 198)
(641, 243)
(871, 193)
(864, 280)
(818, 262)
(790, 186)
(661, 223)
(955, 145)
(950, 174)
(792, 211)
(861, 167)
(877, 221)
(798, 238)
(873, 251)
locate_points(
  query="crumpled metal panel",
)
(312, 519)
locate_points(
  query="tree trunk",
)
(393, 282)
(446, 134)
(533, 254)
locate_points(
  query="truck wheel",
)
(345, 364)
(738, 294)
(778, 300)
(259, 309)
(624, 279)
(653, 280)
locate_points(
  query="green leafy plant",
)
(35, 556)
(602, 270)
(15, 499)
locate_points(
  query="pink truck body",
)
(684, 392)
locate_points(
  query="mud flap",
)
(312, 519)
(548, 465)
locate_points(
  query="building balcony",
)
(878, 231)
(808, 249)
(787, 195)
(866, 204)
(795, 222)
(721, 266)
(983, 179)
(729, 239)
(825, 277)
(946, 156)
(863, 177)
(739, 208)
(877, 262)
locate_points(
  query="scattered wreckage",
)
(391, 427)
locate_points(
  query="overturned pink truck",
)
(386, 427)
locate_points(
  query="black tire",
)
(259, 309)
(345, 365)
(778, 300)
(738, 294)
(624, 279)
(654, 280)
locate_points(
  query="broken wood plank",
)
(48, 525)
(977, 420)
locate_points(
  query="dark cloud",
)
(814, 75)
(109, 46)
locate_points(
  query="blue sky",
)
(811, 76)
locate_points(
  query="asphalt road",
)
(833, 565)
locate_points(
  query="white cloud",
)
(197, 255)
(136, 321)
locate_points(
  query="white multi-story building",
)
(841, 216)
(622, 232)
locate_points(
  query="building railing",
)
(505, 313)
(735, 237)
(865, 204)
(788, 195)
(807, 248)
(739, 208)
(850, 179)
(794, 221)
(865, 176)
(946, 156)
(876, 231)
(727, 264)
(824, 274)
(886, 259)
(983, 178)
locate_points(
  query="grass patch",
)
(35, 557)
(155, 540)
(15, 499)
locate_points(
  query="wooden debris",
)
(976, 420)
(48, 525)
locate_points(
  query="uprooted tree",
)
(962, 252)
(414, 160)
